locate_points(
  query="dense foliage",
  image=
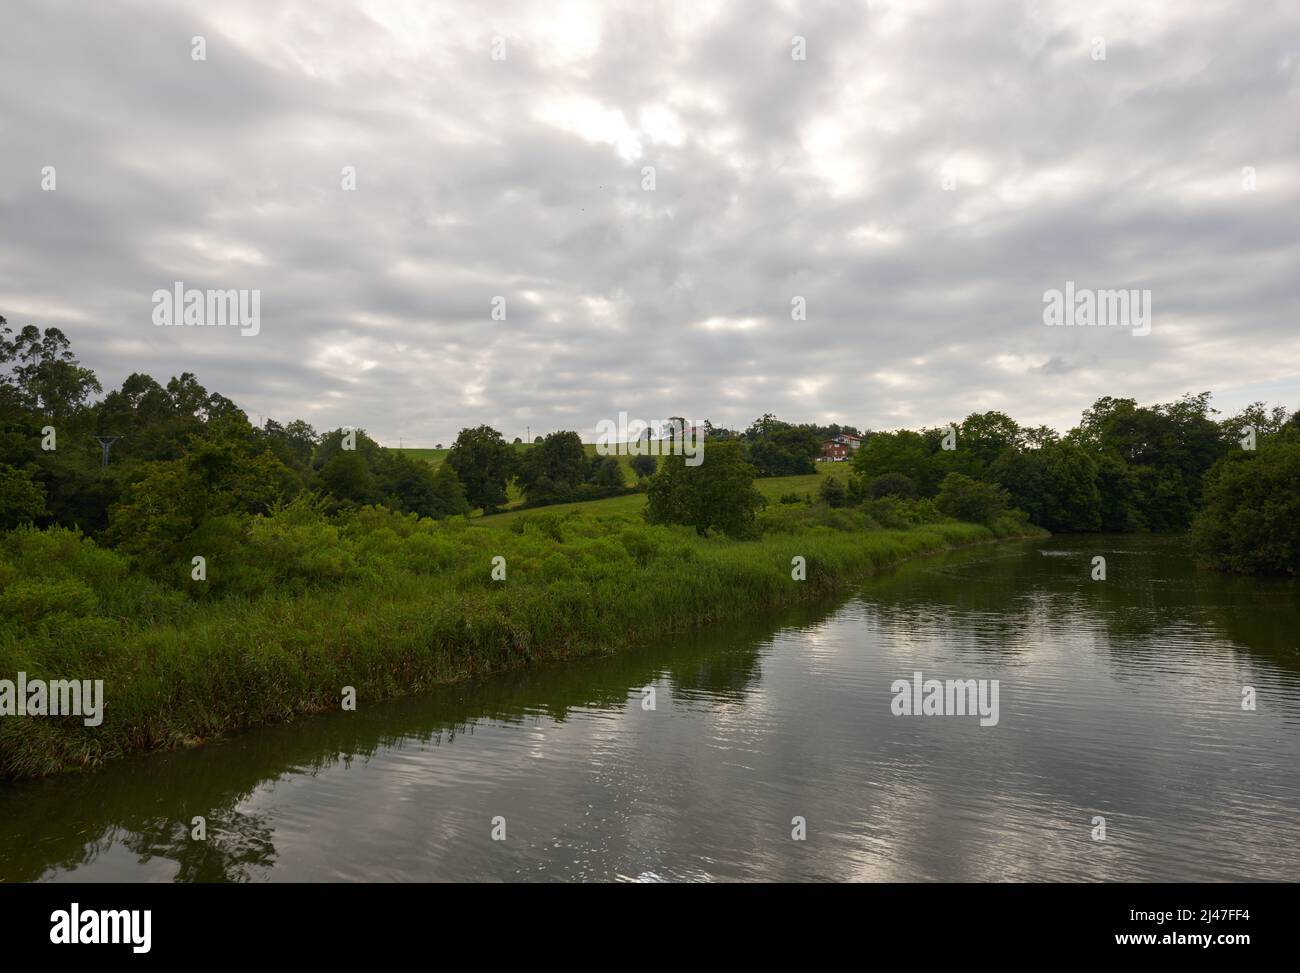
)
(189, 474)
(384, 602)
(718, 494)
(1250, 517)
(1125, 467)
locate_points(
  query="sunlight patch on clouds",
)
(590, 120)
(893, 379)
(729, 324)
(1017, 364)
(343, 361)
(808, 388)
(661, 125)
(830, 158)
(567, 33)
(874, 234)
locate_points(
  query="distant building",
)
(839, 449)
(835, 452)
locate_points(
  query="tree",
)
(301, 439)
(982, 437)
(971, 500)
(1258, 416)
(643, 465)
(892, 485)
(718, 494)
(904, 452)
(221, 476)
(1056, 485)
(549, 473)
(606, 473)
(46, 377)
(1250, 519)
(485, 463)
(1170, 447)
(333, 442)
(448, 498)
(21, 500)
(413, 486)
(779, 448)
(833, 493)
(347, 476)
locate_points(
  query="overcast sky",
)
(921, 179)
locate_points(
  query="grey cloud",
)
(775, 178)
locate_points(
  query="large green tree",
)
(1250, 519)
(551, 471)
(779, 448)
(718, 494)
(1057, 485)
(41, 372)
(965, 498)
(485, 463)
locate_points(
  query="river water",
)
(1119, 700)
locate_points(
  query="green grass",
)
(392, 606)
(628, 504)
(772, 488)
(434, 457)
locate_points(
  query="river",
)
(1118, 700)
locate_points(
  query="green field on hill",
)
(772, 488)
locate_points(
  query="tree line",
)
(183, 457)
(1233, 482)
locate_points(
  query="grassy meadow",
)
(772, 487)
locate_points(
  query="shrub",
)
(832, 492)
(21, 499)
(1250, 518)
(31, 599)
(973, 501)
(643, 466)
(892, 485)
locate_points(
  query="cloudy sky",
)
(921, 178)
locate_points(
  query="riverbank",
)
(419, 606)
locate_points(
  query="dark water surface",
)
(1119, 698)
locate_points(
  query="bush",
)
(832, 492)
(900, 514)
(1250, 518)
(21, 500)
(892, 485)
(643, 466)
(33, 598)
(969, 500)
